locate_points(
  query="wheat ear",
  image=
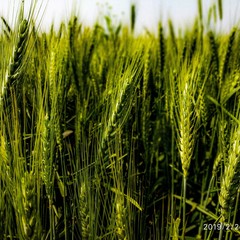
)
(220, 9)
(230, 182)
(84, 212)
(186, 121)
(121, 104)
(30, 226)
(14, 70)
(172, 36)
(120, 215)
(214, 53)
(161, 53)
(225, 64)
(47, 172)
(145, 105)
(8, 30)
(186, 127)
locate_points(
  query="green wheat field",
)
(105, 134)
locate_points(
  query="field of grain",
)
(105, 134)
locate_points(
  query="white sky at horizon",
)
(148, 12)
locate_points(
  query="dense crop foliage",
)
(108, 135)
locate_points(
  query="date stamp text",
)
(221, 226)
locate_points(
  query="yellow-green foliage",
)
(109, 135)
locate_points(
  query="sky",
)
(148, 12)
